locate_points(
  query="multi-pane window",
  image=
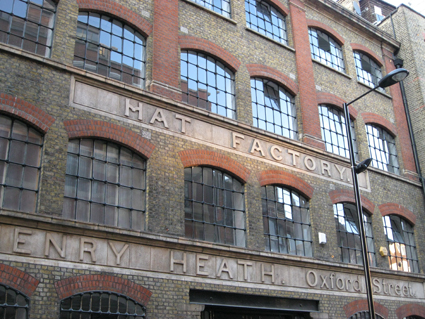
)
(334, 133)
(28, 24)
(105, 184)
(348, 234)
(364, 315)
(286, 221)
(100, 304)
(110, 48)
(401, 243)
(368, 72)
(207, 83)
(382, 149)
(20, 161)
(273, 108)
(214, 206)
(220, 6)
(325, 50)
(265, 19)
(13, 304)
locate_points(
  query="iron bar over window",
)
(286, 221)
(28, 24)
(220, 6)
(13, 304)
(325, 50)
(368, 72)
(110, 48)
(20, 162)
(105, 184)
(214, 206)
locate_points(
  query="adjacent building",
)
(189, 159)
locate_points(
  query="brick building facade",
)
(179, 159)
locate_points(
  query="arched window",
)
(348, 234)
(382, 149)
(326, 50)
(207, 83)
(332, 124)
(364, 315)
(100, 304)
(220, 6)
(273, 108)
(110, 48)
(28, 24)
(265, 19)
(13, 304)
(286, 221)
(401, 244)
(214, 206)
(105, 184)
(20, 162)
(368, 72)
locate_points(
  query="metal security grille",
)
(286, 221)
(20, 161)
(273, 108)
(347, 230)
(111, 48)
(220, 6)
(214, 206)
(401, 243)
(100, 305)
(325, 50)
(332, 124)
(265, 19)
(105, 184)
(364, 315)
(28, 24)
(207, 83)
(13, 304)
(368, 72)
(382, 149)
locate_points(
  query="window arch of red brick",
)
(280, 7)
(85, 283)
(188, 42)
(26, 112)
(369, 52)
(410, 310)
(119, 11)
(18, 280)
(196, 157)
(323, 27)
(287, 179)
(397, 209)
(362, 305)
(329, 98)
(372, 118)
(111, 132)
(347, 196)
(259, 70)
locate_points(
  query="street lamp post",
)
(391, 78)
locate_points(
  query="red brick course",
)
(26, 112)
(79, 284)
(259, 70)
(369, 52)
(188, 42)
(18, 280)
(372, 118)
(329, 98)
(410, 310)
(362, 305)
(203, 157)
(111, 132)
(271, 177)
(397, 209)
(347, 196)
(119, 11)
(327, 29)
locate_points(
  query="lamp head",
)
(393, 77)
(361, 167)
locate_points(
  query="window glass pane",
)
(326, 50)
(13, 304)
(368, 71)
(382, 149)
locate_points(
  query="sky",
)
(417, 5)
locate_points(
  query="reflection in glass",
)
(220, 6)
(382, 149)
(368, 72)
(326, 50)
